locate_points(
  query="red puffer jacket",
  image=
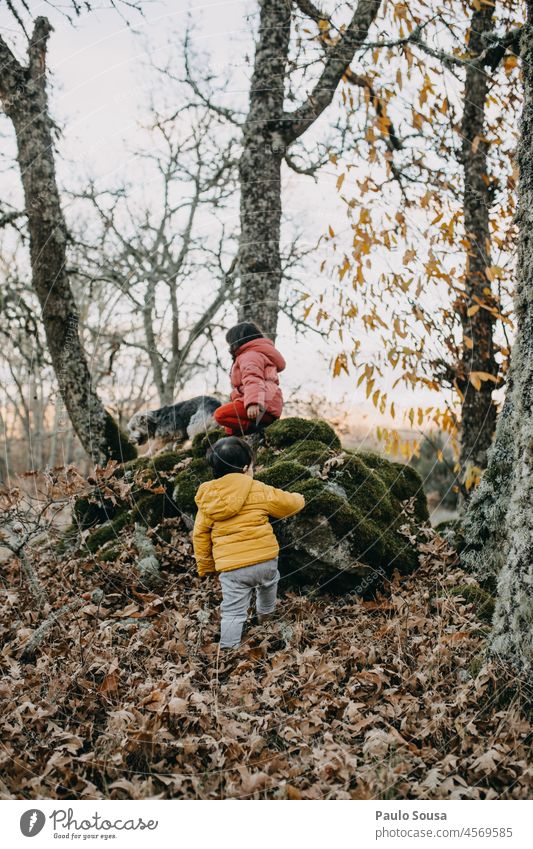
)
(254, 375)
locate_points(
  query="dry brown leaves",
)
(339, 698)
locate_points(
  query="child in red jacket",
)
(256, 399)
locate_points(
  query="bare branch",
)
(339, 56)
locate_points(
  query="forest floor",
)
(339, 698)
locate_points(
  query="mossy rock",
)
(308, 452)
(108, 531)
(483, 601)
(288, 431)
(90, 513)
(367, 488)
(166, 461)
(402, 481)
(265, 456)
(186, 484)
(121, 448)
(151, 509)
(285, 474)
(203, 441)
(348, 536)
(141, 501)
(110, 555)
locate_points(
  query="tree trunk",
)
(260, 171)
(513, 536)
(478, 414)
(23, 92)
(268, 133)
(513, 617)
(484, 523)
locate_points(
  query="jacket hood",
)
(224, 497)
(264, 346)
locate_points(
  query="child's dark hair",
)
(243, 332)
(229, 455)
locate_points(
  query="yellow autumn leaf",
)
(472, 310)
(484, 375)
(341, 364)
(468, 342)
(493, 272)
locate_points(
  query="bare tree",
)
(24, 96)
(174, 256)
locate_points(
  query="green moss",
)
(151, 509)
(319, 501)
(288, 431)
(119, 446)
(164, 462)
(265, 456)
(202, 441)
(308, 452)
(89, 513)
(107, 532)
(483, 602)
(365, 489)
(401, 480)
(110, 554)
(187, 482)
(284, 475)
(476, 664)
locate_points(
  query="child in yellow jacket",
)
(233, 536)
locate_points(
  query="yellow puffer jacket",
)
(232, 528)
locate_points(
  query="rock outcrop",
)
(360, 520)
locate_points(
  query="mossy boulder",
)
(359, 508)
(106, 532)
(187, 482)
(286, 432)
(349, 533)
(110, 554)
(202, 441)
(164, 462)
(107, 512)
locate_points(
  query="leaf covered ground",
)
(126, 696)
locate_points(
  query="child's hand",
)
(252, 411)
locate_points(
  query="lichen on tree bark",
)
(478, 411)
(24, 96)
(503, 509)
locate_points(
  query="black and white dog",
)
(173, 423)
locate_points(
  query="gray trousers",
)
(237, 587)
